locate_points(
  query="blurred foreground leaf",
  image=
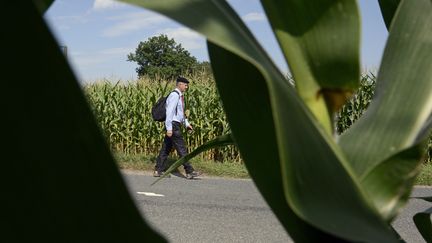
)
(60, 182)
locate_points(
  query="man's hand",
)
(190, 129)
(169, 133)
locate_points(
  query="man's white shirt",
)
(175, 110)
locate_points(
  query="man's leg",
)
(163, 154)
(180, 146)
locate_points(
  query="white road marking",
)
(151, 194)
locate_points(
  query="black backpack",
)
(159, 110)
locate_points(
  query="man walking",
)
(175, 117)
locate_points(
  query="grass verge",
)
(143, 162)
(227, 169)
(425, 176)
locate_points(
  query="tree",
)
(203, 67)
(162, 57)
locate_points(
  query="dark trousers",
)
(179, 144)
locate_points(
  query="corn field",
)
(123, 111)
(359, 102)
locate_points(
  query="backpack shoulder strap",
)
(174, 91)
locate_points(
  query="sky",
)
(99, 34)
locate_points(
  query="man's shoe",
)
(160, 173)
(193, 174)
(157, 173)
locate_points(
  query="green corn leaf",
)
(43, 5)
(256, 136)
(398, 181)
(60, 182)
(402, 103)
(388, 10)
(223, 27)
(423, 223)
(399, 114)
(220, 141)
(319, 38)
(336, 199)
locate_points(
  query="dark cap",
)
(183, 80)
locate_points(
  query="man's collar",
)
(181, 93)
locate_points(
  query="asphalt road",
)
(226, 210)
